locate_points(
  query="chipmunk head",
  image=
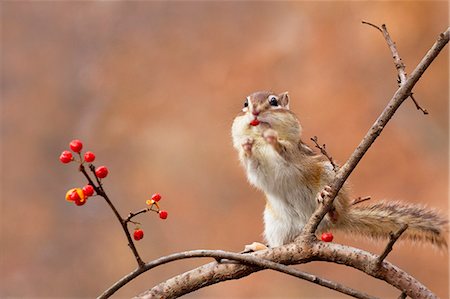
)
(269, 109)
(263, 110)
(262, 101)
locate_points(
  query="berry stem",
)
(133, 214)
(92, 168)
(123, 222)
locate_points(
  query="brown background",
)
(152, 89)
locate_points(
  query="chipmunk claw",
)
(247, 146)
(323, 193)
(255, 246)
(270, 136)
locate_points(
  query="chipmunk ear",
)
(283, 99)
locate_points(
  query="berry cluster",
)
(153, 206)
(80, 195)
(153, 202)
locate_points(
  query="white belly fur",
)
(289, 202)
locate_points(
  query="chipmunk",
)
(267, 136)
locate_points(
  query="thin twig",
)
(324, 152)
(359, 200)
(373, 25)
(424, 111)
(393, 237)
(101, 192)
(399, 65)
(134, 214)
(249, 260)
(398, 98)
(99, 182)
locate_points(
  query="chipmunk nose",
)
(255, 112)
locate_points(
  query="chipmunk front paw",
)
(270, 136)
(323, 193)
(247, 146)
(255, 246)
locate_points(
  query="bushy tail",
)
(379, 219)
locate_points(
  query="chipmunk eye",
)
(246, 103)
(273, 101)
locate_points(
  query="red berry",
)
(138, 234)
(89, 157)
(254, 122)
(156, 197)
(74, 196)
(88, 190)
(66, 157)
(163, 214)
(101, 172)
(76, 145)
(80, 201)
(327, 237)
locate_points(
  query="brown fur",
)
(378, 220)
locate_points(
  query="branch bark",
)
(229, 259)
(296, 253)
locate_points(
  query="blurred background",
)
(152, 88)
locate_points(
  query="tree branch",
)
(324, 152)
(248, 260)
(399, 65)
(294, 253)
(393, 237)
(360, 200)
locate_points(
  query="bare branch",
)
(294, 253)
(399, 65)
(399, 97)
(360, 199)
(243, 259)
(99, 190)
(134, 214)
(424, 111)
(393, 237)
(373, 25)
(324, 152)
